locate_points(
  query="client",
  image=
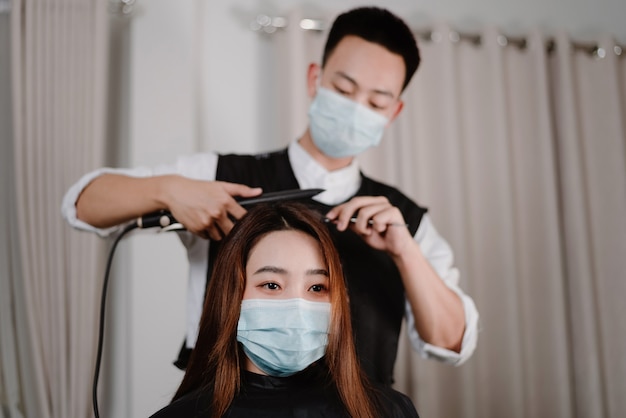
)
(275, 338)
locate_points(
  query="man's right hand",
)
(206, 208)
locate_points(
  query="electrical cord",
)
(105, 283)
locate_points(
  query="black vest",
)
(376, 292)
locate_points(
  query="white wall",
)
(148, 293)
(194, 84)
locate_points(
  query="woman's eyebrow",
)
(280, 270)
(271, 269)
(317, 272)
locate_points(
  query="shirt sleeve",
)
(197, 166)
(438, 252)
(201, 166)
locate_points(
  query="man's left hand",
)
(376, 220)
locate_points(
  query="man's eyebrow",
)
(353, 82)
(347, 77)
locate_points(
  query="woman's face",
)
(287, 265)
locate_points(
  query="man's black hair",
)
(378, 26)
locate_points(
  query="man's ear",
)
(396, 112)
(311, 79)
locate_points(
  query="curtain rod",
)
(268, 24)
(116, 7)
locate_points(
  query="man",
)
(395, 262)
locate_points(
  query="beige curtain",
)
(9, 381)
(58, 76)
(519, 153)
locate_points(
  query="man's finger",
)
(236, 189)
(215, 233)
(225, 224)
(344, 212)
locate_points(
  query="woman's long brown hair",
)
(215, 361)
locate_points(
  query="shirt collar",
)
(340, 185)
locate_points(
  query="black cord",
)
(102, 310)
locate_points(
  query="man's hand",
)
(377, 221)
(206, 208)
(437, 310)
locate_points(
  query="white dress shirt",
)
(339, 185)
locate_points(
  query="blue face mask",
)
(341, 127)
(283, 336)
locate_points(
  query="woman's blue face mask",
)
(283, 336)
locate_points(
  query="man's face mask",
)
(283, 336)
(341, 127)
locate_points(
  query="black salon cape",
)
(304, 395)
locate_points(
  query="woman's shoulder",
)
(395, 404)
(192, 405)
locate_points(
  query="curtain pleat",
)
(590, 143)
(603, 151)
(491, 251)
(9, 354)
(540, 280)
(29, 336)
(59, 58)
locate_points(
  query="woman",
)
(275, 339)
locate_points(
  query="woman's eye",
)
(271, 286)
(317, 288)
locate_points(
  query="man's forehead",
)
(369, 64)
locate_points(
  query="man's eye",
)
(376, 106)
(342, 91)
